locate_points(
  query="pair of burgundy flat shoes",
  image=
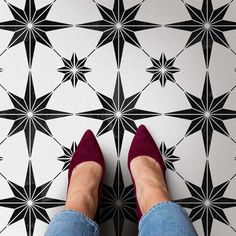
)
(89, 150)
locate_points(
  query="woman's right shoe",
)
(88, 150)
(144, 145)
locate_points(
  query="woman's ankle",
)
(84, 202)
(150, 183)
(150, 196)
(83, 190)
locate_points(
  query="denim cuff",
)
(79, 215)
(158, 205)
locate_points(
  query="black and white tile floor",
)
(111, 65)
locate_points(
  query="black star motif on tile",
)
(207, 26)
(118, 114)
(168, 155)
(1, 69)
(1, 158)
(163, 70)
(30, 202)
(118, 202)
(207, 114)
(30, 26)
(68, 153)
(118, 26)
(207, 202)
(74, 70)
(30, 114)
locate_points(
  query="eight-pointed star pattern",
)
(30, 26)
(207, 202)
(68, 153)
(118, 202)
(30, 114)
(207, 114)
(207, 26)
(118, 114)
(163, 70)
(30, 202)
(118, 26)
(74, 70)
(168, 155)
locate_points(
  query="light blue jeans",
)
(164, 219)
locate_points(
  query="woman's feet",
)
(87, 168)
(147, 171)
(85, 175)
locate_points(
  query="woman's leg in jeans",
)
(159, 213)
(81, 203)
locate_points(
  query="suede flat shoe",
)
(144, 145)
